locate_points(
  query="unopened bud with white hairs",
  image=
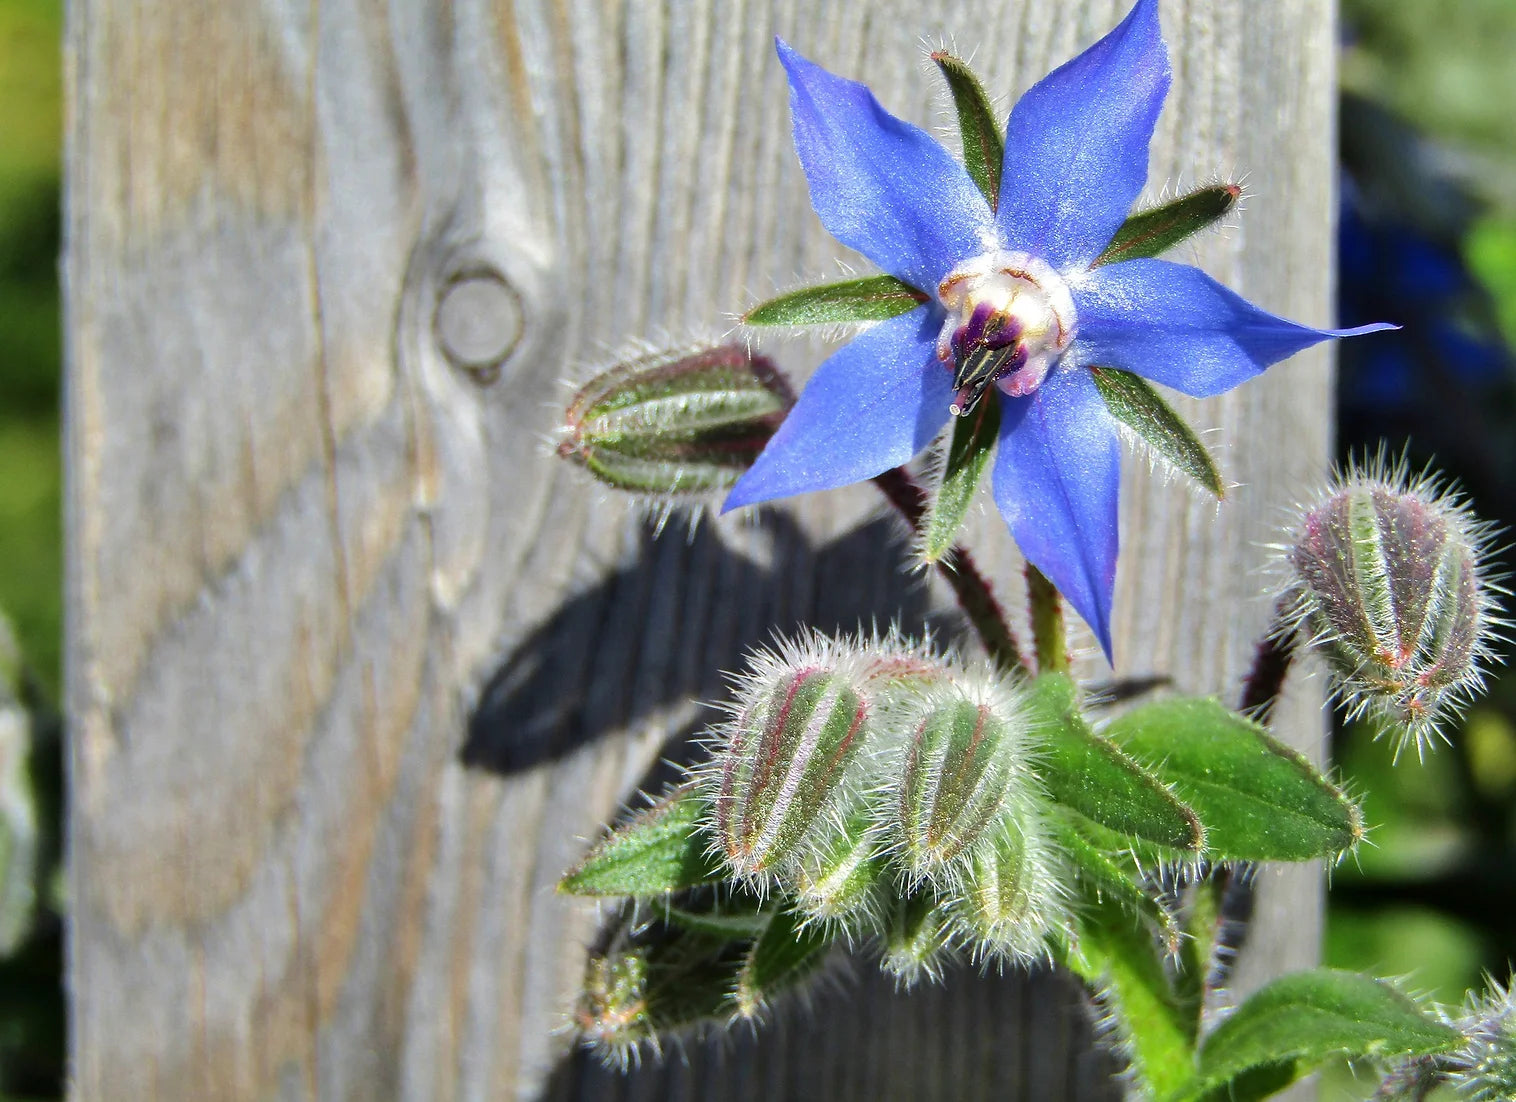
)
(1389, 584)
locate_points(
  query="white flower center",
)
(1009, 317)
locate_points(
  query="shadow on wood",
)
(994, 1038)
(534, 708)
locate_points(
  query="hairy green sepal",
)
(688, 421)
(968, 457)
(983, 145)
(872, 298)
(656, 851)
(1151, 232)
(786, 954)
(1133, 401)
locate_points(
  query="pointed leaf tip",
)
(1259, 799)
(983, 144)
(658, 850)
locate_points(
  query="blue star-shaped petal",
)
(1012, 302)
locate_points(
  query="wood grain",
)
(305, 543)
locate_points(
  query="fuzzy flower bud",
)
(676, 423)
(917, 938)
(799, 723)
(1012, 896)
(965, 767)
(838, 876)
(1485, 1069)
(1388, 584)
(653, 980)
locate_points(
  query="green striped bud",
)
(1011, 898)
(964, 767)
(1388, 586)
(781, 764)
(837, 879)
(917, 938)
(676, 423)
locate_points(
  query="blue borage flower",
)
(1012, 302)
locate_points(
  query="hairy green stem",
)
(1049, 637)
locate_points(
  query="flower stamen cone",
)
(1010, 316)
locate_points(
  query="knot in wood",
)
(478, 323)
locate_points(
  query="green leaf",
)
(1259, 799)
(1108, 878)
(983, 145)
(1310, 1016)
(658, 850)
(725, 921)
(1154, 231)
(873, 298)
(1121, 963)
(1256, 1084)
(787, 953)
(1094, 777)
(1134, 403)
(968, 457)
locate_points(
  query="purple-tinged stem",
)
(957, 568)
(1271, 665)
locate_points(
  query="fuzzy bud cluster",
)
(890, 793)
(1389, 585)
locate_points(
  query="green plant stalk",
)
(1197, 953)
(1049, 637)
(1119, 961)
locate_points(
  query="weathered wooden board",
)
(327, 267)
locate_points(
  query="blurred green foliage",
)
(1432, 898)
(31, 531)
(1491, 253)
(1447, 68)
